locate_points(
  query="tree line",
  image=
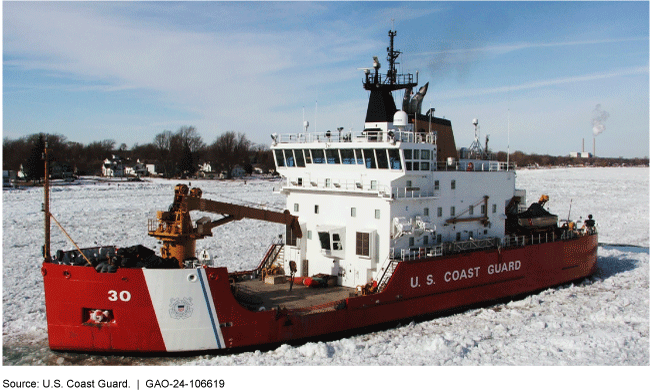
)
(526, 160)
(179, 154)
(176, 154)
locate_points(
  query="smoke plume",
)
(598, 121)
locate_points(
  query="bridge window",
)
(440, 211)
(452, 211)
(347, 156)
(436, 185)
(393, 159)
(288, 156)
(332, 156)
(471, 210)
(453, 184)
(318, 156)
(382, 158)
(424, 154)
(307, 156)
(300, 158)
(279, 157)
(369, 157)
(357, 152)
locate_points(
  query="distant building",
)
(205, 169)
(7, 178)
(580, 155)
(113, 167)
(152, 169)
(139, 169)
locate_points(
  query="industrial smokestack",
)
(583, 145)
(594, 154)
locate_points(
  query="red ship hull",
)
(202, 313)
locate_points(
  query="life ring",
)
(470, 166)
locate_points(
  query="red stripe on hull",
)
(416, 288)
(71, 291)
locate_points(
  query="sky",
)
(535, 74)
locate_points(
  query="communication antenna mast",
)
(475, 149)
(305, 124)
(508, 155)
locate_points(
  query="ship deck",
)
(255, 294)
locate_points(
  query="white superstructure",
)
(365, 198)
(397, 190)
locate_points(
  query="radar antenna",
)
(475, 149)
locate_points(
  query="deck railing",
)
(349, 136)
(447, 248)
(476, 166)
(359, 186)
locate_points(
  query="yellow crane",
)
(178, 235)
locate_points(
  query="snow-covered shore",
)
(600, 321)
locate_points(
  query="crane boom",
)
(175, 229)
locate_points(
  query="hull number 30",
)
(123, 296)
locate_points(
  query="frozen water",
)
(603, 320)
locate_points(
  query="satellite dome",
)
(400, 119)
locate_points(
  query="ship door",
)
(349, 276)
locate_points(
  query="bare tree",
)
(230, 150)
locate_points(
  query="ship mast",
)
(381, 106)
(46, 209)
